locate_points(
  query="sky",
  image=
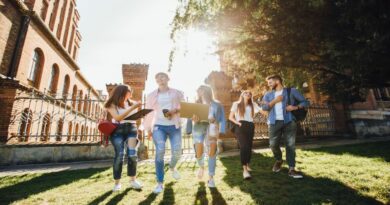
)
(138, 31)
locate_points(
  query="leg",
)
(212, 143)
(275, 133)
(118, 143)
(251, 134)
(289, 132)
(241, 133)
(199, 132)
(175, 140)
(159, 139)
(131, 156)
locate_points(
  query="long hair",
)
(241, 104)
(208, 93)
(117, 96)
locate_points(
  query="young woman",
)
(207, 132)
(119, 105)
(241, 114)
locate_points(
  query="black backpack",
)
(299, 114)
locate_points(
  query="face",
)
(200, 92)
(247, 95)
(162, 80)
(272, 83)
(128, 95)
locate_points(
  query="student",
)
(207, 132)
(282, 122)
(241, 114)
(120, 105)
(163, 123)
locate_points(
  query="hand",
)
(239, 124)
(150, 134)
(290, 108)
(137, 104)
(278, 99)
(195, 118)
(212, 120)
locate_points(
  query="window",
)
(76, 132)
(36, 68)
(25, 125)
(61, 22)
(60, 126)
(53, 14)
(80, 101)
(53, 82)
(74, 97)
(45, 129)
(45, 5)
(65, 89)
(70, 126)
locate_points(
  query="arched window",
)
(85, 104)
(70, 126)
(36, 68)
(60, 125)
(25, 125)
(45, 129)
(80, 101)
(82, 137)
(65, 89)
(53, 82)
(74, 97)
(76, 132)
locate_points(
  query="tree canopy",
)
(344, 45)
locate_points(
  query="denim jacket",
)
(218, 114)
(295, 96)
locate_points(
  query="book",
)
(187, 110)
(140, 114)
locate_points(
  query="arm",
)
(233, 119)
(303, 103)
(149, 117)
(268, 104)
(117, 117)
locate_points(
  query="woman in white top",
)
(241, 114)
(120, 106)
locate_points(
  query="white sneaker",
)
(175, 174)
(135, 184)
(200, 173)
(159, 188)
(246, 175)
(211, 183)
(117, 187)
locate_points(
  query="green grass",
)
(355, 174)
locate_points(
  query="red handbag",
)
(106, 127)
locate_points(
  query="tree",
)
(343, 44)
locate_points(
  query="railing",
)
(319, 122)
(53, 118)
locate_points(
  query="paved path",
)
(56, 167)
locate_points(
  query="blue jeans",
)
(119, 141)
(160, 135)
(199, 136)
(289, 131)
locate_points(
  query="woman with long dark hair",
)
(120, 106)
(206, 132)
(241, 114)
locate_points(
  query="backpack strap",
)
(288, 96)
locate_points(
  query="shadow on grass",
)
(375, 149)
(43, 183)
(116, 199)
(169, 195)
(267, 187)
(217, 198)
(100, 198)
(201, 195)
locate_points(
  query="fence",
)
(50, 118)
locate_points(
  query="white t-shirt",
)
(165, 102)
(248, 112)
(279, 106)
(122, 110)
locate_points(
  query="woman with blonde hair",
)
(241, 114)
(206, 132)
(120, 106)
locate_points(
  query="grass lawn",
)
(355, 174)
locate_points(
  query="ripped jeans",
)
(124, 135)
(201, 136)
(160, 135)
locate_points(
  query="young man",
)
(282, 122)
(163, 123)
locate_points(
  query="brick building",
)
(44, 96)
